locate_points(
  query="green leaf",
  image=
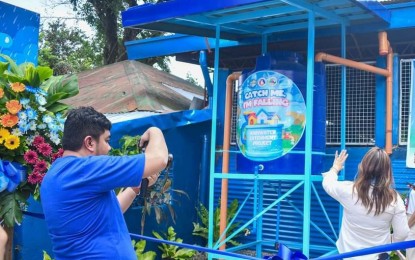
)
(31, 76)
(44, 73)
(157, 235)
(150, 255)
(57, 107)
(46, 256)
(67, 84)
(9, 208)
(201, 229)
(3, 67)
(55, 98)
(12, 77)
(140, 245)
(13, 66)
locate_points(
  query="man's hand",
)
(153, 179)
(156, 153)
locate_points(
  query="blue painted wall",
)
(19, 33)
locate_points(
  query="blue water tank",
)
(290, 64)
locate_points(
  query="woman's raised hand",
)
(339, 160)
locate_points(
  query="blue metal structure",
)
(249, 22)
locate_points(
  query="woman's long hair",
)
(375, 172)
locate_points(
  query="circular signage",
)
(271, 116)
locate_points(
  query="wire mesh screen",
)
(406, 67)
(234, 114)
(360, 106)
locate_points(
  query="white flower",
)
(47, 119)
(16, 132)
(41, 126)
(41, 100)
(32, 125)
(54, 137)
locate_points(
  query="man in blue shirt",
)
(83, 215)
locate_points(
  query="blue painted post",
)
(213, 140)
(203, 172)
(380, 107)
(259, 225)
(308, 133)
(343, 108)
(343, 92)
(395, 100)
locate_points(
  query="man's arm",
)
(156, 154)
(127, 196)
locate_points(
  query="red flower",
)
(41, 166)
(38, 140)
(56, 155)
(45, 149)
(35, 177)
(30, 157)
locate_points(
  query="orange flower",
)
(13, 106)
(17, 87)
(8, 120)
(1, 93)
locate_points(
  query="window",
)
(405, 79)
(360, 106)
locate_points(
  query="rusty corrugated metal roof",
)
(130, 86)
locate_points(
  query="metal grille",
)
(234, 114)
(406, 78)
(360, 106)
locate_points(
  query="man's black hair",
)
(82, 122)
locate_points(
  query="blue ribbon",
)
(11, 175)
(284, 253)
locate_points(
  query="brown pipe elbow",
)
(320, 56)
(383, 43)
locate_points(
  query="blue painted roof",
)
(241, 19)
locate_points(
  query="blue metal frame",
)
(178, 8)
(240, 22)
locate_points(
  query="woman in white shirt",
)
(410, 212)
(371, 205)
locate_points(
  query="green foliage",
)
(46, 256)
(10, 208)
(57, 87)
(139, 251)
(191, 79)
(171, 251)
(67, 50)
(129, 146)
(202, 229)
(394, 255)
(105, 17)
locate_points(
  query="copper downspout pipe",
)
(384, 48)
(389, 97)
(350, 63)
(225, 160)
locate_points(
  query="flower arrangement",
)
(31, 124)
